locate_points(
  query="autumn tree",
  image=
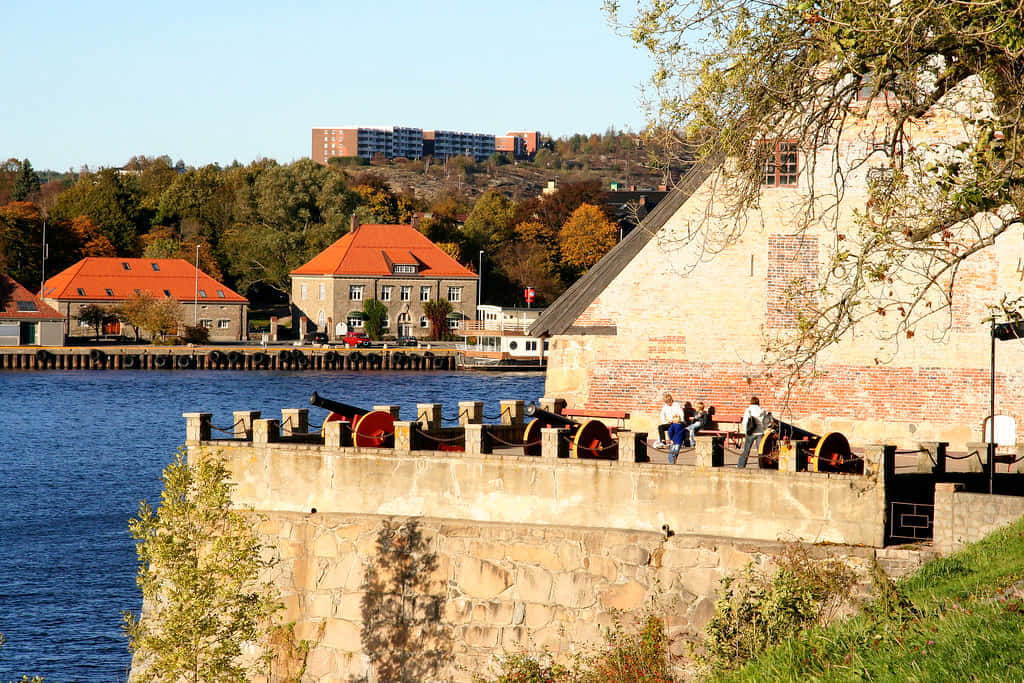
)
(586, 237)
(199, 571)
(135, 310)
(526, 264)
(165, 316)
(814, 72)
(375, 315)
(94, 316)
(437, 311)
(378, 203)
(111, 201)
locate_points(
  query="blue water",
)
(80, 449)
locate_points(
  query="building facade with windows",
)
(390, 142)
(395, 264)
(25, 320)
(110, 281)
(691, 304)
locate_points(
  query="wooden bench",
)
(729, 427)
(620, 415)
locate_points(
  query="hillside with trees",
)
(539, 223)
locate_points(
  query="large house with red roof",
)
(395, 264)
(110, 281)
(25, 320)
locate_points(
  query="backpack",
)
(751, 425)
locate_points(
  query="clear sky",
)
(93, 83)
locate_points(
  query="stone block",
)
(601, 566)
(631, 554)
(320, 605)
(534, 584)
(349, 606)
(536, 616)
(574, 590)
(481, 579)
(325, 546)
(343, 635)
(520, 552)
(514, 639)
(481, 636)
(458, 611)
(626, 596)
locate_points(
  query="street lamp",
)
(479, 284)
(1002, 332)
(195, 301)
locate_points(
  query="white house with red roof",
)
(395, 264)
(109, 281)
(25, 320)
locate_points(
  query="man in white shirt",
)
(753, 426)
(671, 412)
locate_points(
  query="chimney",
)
(353, 223)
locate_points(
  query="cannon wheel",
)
(373, 429)
(833, 455)
(532, 433)
(593, 440)
(768, 451)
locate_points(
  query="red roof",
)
(375, 249)
(17, 303)
(117, 279)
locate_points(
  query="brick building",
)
(389, 142)
(108, 282)
(395, 264)
(666, 311)
(25, 320)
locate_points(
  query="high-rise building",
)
(367, 142)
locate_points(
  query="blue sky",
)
(93, 83)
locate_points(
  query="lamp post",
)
(1002, 332)
(195, 301)
(479, 284)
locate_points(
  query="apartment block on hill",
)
(107, 282)
(390, 142)
(395, 264)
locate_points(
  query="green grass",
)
(947, 622)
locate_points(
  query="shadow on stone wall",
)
(402, 633)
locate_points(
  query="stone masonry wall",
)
(504, 588)
(962, 518)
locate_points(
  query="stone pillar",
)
(471, 412)
(709, 451)
(789, 456)
(330, 329)
(979, 462)
(632, 446)
(429, 415)
(944, 521)
(197, 426)
(303, 327)
(478, 441)
(552, 405)
(294, 421)
(932, 458)
(335, 433)
(880, 461)
(266, 431)
(512, 413)
(243, 423)
(403, 438)
(553, 442)
(273, 328)
(391, 410)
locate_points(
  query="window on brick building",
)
(385, 293)
(424, 293)
(406, 293)
(355, 292)
(780, 169)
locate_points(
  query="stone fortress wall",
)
(534, 552)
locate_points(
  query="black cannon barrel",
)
(551, 418)
(784, 429)
(343, 409)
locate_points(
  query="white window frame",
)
(206, 322)
(425, 293)
(355, 292)
(385, 293)
(223, 324)
(355, 322)
(323, 291)
(424, 322)
(406, 293)
(455, 294)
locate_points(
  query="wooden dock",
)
(223, 358)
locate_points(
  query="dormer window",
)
(126, 265)
(220, 293)
(81, 292)
(202, 293)
(109, 292)
(156, 266)
(167, 293)
(404, 268)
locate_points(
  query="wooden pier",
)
(223, 358)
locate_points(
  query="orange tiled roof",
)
(17, 303)
(374, 249)
(91, 278)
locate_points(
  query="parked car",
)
(356, 339)
(407, 341)
(316, 338)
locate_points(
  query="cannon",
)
(369, 427)
(828, 453)
(590, 439)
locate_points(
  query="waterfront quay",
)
(224, 358)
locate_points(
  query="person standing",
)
(671, 412)
(753, 426)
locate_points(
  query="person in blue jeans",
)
(753, 427)
(676, 435)
(700, 421)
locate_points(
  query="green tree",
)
(164, 317)
(375, 313)
(135, 310)
(25, 183)
(200, 574)
(490, 224)
(95, 317)
(111, 201)
(21, 241)
(812, 71)
(437, 311)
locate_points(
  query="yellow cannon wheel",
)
(594, 440)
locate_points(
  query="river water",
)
(80, 449)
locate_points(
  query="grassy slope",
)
(966, 624)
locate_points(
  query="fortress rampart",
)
(531, 552)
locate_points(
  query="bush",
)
(196, 335)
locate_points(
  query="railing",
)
(467, 327)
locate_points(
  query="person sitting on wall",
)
(700, 421)
(753, 425)
(671, 412)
